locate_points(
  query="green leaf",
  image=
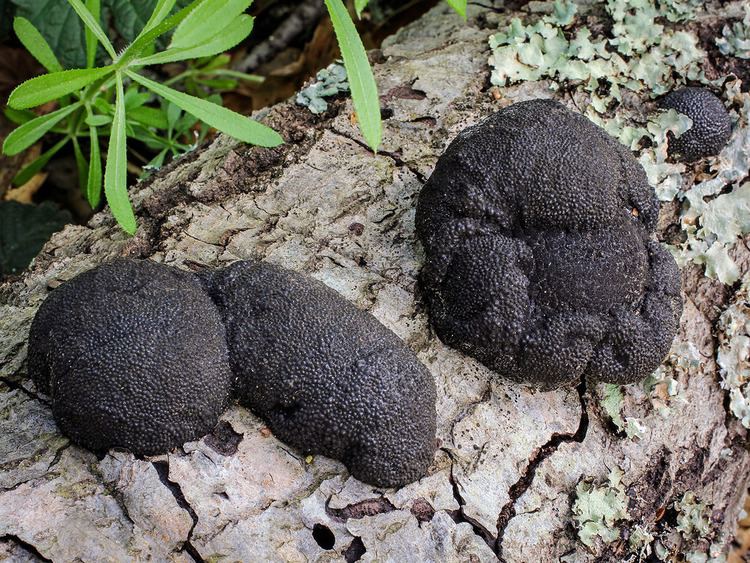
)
(195, 29)
(30, 132)
(459, 6)
(361, 81)
(134, 98)
(161, 11)
(94, 180)
(146, 38)
(98, 120)
(93, 6)
(36, 44)
(27, 173)
(151, 117)
(51, 86)
(359, 6)
(60, 27)
(23, 231)
(81, 164)
(93, 26)
(223, 119)
(116, 173)
(227, 38)
(19, 116)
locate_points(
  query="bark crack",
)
(396, 158)
(15, 386)
(459, 516)
(515, 492)
(162, 469)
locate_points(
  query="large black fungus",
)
(133, 355)
(536, 226)
(711, 127)
(143, 356)
(327, 377)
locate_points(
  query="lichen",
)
(645, 58)
(735, 38)
(611, 402)
(329, 82)
(733, 355)
(692, 517)
(598, 508)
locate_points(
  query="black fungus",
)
(537, 230)
(327, 377)
(711, 127)
(133, 355)
(143, 356)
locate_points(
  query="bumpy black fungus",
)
(136, 354)
(711, 128)
(536, 226)
(133, 355)
(327, 377)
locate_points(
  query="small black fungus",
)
(536, 226)
(327, 377)
(143, 356)
(711, 127)
(133, 355)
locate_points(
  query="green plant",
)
(117, 100)
(112, 99)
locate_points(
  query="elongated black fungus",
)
(135, 354)
(327, 377)
(711, 127)
(536, 228)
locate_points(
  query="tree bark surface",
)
(503, 482)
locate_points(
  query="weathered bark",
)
(504, 479)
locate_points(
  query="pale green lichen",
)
(733, 355)
(640, 541)
(329, 82)
(611, 402)
(692, 517)
(642, 56)
(735, 39)
(598, 509)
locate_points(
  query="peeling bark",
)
(503, 481)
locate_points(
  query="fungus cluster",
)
(537, 230)
(711, 127)
(143, 356)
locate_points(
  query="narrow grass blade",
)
(459, 6)
(93, 6)
(116, 172)
(93, 25)
(94, 180)
(361, 81)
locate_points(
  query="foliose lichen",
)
(598, 509)
(735, 38)
(329, 82)
(640, 57)
(733, 355)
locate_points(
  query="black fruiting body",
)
(711, 127)
(140, 355)
(536, 226)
